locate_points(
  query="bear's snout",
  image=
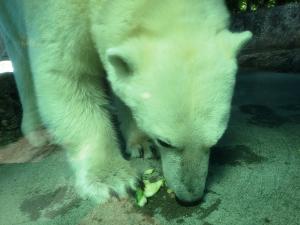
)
(190, 196)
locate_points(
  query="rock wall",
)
(276, 42)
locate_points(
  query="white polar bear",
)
(171, 62)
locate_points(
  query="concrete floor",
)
(254, 175)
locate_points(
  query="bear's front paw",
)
(33, 129)
(139, 145)
(38, 138)
(115, 179)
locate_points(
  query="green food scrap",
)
(170, 191)
(152, 183)
(140, 198)
(148, 172)
(152, 188)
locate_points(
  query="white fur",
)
(178, 86)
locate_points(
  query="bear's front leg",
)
(138, 144)
(101, 171)
(73, 106)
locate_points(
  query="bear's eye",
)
(164, 144)
(120, 65)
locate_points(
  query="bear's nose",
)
(189, 203)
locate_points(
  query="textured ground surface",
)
(254, 176)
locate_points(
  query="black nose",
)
(189, 203)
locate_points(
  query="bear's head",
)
(179, 89)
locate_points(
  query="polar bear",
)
(171, 65)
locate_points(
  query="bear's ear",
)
(238, 40)
(118, 62)
(232, 43)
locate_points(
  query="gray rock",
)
(2, 50)
(276, 42)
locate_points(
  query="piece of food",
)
(170, 191)
(152, 183)
(140, 198)
(148, 172)
(152, 188)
